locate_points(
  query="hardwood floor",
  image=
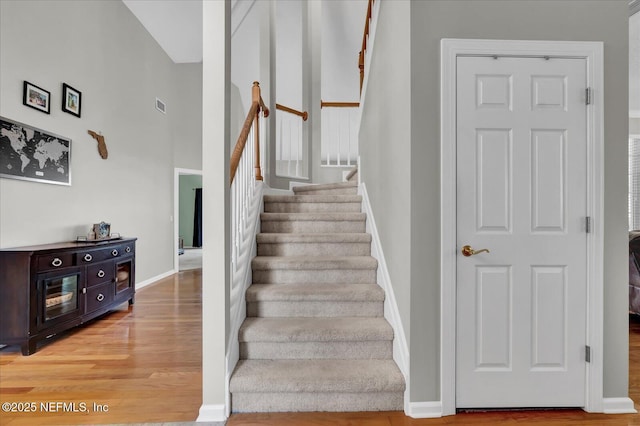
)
(144, 364)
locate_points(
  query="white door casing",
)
(592, 54)
(521, 193)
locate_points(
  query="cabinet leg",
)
(132, 300)
(28, 348)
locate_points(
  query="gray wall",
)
(385, 147)
(430, 21)
(101, 49)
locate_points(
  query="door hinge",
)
(587, 224)
(587, 353)
(588, 96)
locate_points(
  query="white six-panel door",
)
(521, 194)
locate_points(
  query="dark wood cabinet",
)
(50, 288)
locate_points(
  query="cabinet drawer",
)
(93, 256)
(55, 261)
(100, 273)
(99, 296)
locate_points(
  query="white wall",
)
(342, 28)
(289, 52)
(120, 70)
(634, 65)
(341, 25)
(411, 170)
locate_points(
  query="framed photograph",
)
(28, 153)
(36, 97)
(71, 100)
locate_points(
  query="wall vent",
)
(161, 106)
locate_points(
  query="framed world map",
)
(33, 154)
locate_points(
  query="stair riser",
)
(242, 402)
(311, 207)
(309, 226)
(314, 249)
(317, 350)
(336, 191)
(284, 276)
(278, 309)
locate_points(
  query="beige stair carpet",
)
(315, 338)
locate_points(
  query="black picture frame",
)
(71, 100)
(32, 154)
(36, 97)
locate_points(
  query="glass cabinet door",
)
(60, 297)
(124, 275)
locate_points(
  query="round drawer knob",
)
(56, 262)
(128, 249)
(114, 252)
(100, 273)
(100, 297)
(87, 257)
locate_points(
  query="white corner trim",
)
(212, 413)
(450, 49)
(618, 406)
(391, 312)
(153, 280)
(425, 410)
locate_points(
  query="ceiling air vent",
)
(161, 106)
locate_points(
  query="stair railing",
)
(339, 144)
(365, 39)
(291, 148)
(243, 180)
(246, 199)
(252, 120)
(245, 157)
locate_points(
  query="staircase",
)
(315, 338)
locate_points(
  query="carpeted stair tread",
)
(314, 337)
(322, 198)
(334, 292)
(305, 263)
(314, 329)
(313, 217)
(325, 186)
(327, 237)
(317, 375)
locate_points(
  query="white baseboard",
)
(618, 406)
(424, 410)
(145, 283)
(212, 413)
(391, 312)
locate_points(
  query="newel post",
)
(256, 97)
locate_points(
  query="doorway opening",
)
(187, 240)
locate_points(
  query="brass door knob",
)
(468, 251)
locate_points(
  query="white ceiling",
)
(175, 24)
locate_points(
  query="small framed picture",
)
(36, 97)
(71, 100)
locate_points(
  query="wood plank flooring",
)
(144, 364)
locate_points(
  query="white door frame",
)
(176, 211)
(450, 49)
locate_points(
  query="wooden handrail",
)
(257, 105)
(324, 104)
(365, 37)
(303, 114)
